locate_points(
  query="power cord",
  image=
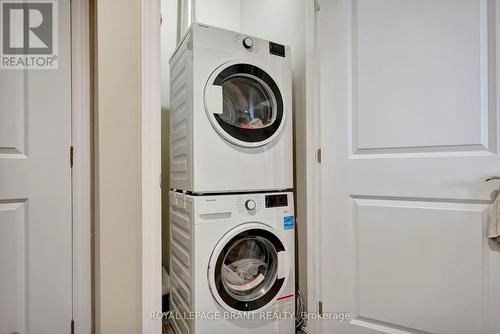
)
(300, 315)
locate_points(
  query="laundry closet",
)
(242, 64)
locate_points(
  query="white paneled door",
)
(409, 133)
(35, 179)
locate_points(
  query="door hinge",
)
(317, 5)
(71, 156)
(72, 326)
(320, 307)
(318, 155)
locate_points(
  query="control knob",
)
(250, 204)
(247, 42)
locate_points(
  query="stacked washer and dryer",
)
(231, 164)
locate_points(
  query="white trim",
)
(151, 164)
(80, 91)
(313, 142)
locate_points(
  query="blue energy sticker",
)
(288, 222)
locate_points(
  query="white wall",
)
(220, 13)
(117, 172)
(276, 20)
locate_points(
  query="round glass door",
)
(244, 105)
(247, 104)
(246, 270)
(249, 268)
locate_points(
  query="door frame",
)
(313, 160)
(151, 164)
(82, 166)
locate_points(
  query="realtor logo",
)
(29, 34)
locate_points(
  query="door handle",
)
(492, 178)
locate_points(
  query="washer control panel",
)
(253, 204)
(250, 204)
(245, 207)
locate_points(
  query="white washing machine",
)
(232, 263)
(231, 117)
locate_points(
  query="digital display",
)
(276, 49)
(275, 201)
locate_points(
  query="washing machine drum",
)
(244, 104)
(247, 273)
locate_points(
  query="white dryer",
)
(232, 263)
(231, 117)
